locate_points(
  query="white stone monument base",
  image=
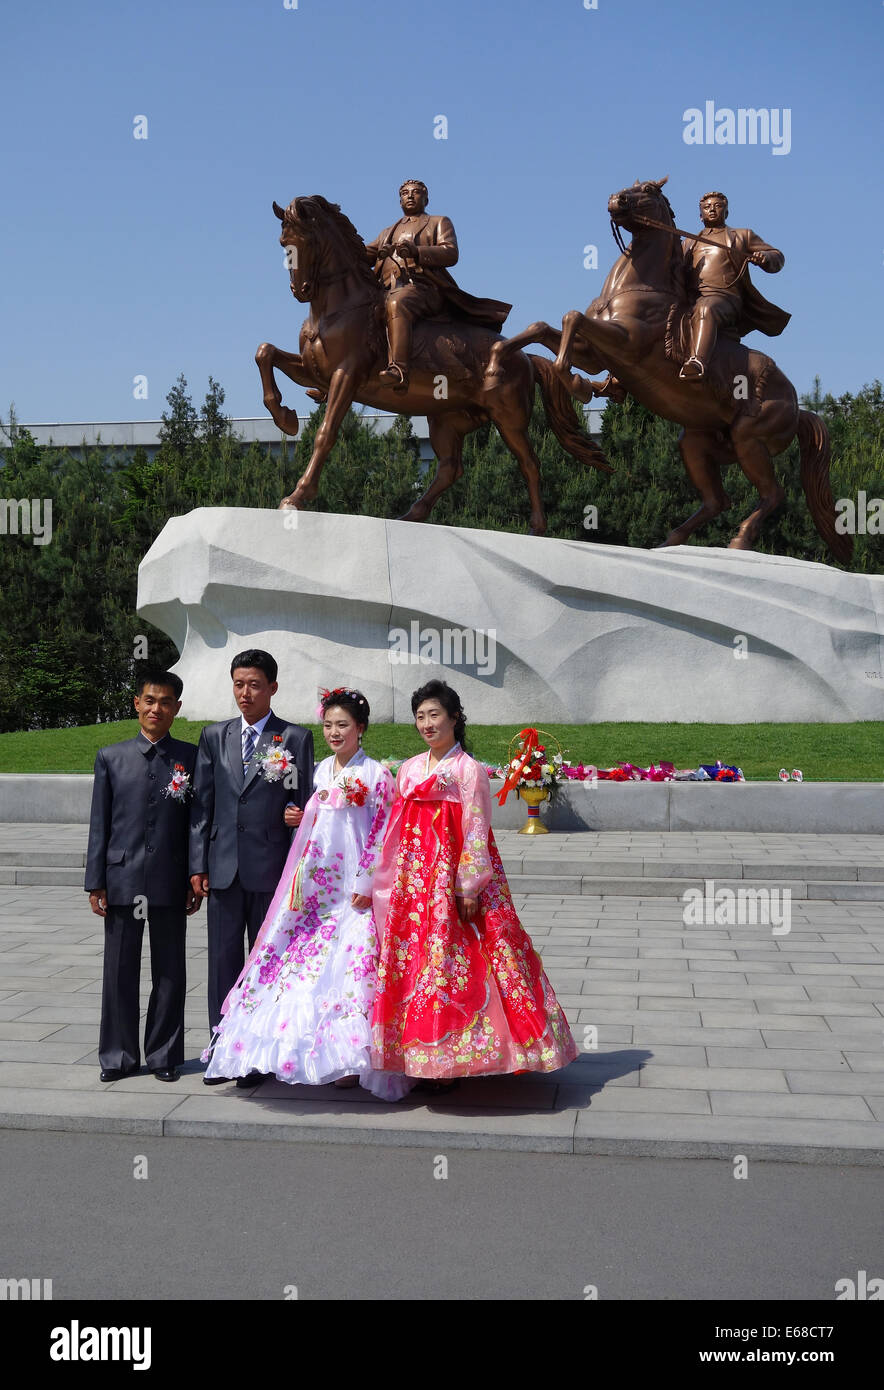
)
(526, 629)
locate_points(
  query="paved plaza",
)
(709, 1040)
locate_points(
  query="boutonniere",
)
(354, 791)
(446, 779)
(179, 786)
(274, 761)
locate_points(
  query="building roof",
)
(129, 434)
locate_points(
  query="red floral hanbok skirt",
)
(457, 998)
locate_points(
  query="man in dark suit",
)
(241, 822)
(136, 871)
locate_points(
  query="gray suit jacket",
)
(137, 835)
(237, 823)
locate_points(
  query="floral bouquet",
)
(532, 765)
(541, 769)
(354, 791)
(179, 785)
(274, 762)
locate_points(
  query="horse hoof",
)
(415, 513)
(287, 420)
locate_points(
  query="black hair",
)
(450, 702)
(351, 701)
(152, 675)
(262, 661)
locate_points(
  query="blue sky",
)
(124, 257)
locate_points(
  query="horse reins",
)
(689, 236)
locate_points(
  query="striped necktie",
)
(248, 748)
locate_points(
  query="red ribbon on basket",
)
(530, 741)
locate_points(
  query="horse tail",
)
(813, 445)
(559, 409)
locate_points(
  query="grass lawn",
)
(824, 752)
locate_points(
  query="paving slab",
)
(423, 1125)
(712, 1040)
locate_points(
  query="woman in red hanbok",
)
(460, 989)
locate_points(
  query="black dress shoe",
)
(215, 1080)
(166, 1074)
(118, 1073)
(253, 1079)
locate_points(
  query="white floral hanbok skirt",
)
(301, 1009)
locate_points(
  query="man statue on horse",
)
(726, 301)
(411, 258)
(634, 330)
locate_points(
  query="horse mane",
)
(315, 208)
(677, 280)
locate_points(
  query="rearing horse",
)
(745, 409)
(343, 348)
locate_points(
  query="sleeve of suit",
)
(305, 766)
(99, 827)
(756, 244)
(444, 250)
(202, 807)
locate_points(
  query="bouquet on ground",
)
(657, 772)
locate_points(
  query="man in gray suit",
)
(136, 871)
(241, 822)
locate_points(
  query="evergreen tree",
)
(68, 625)
(179, 427)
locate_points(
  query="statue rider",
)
(717, 276)
(412, 258)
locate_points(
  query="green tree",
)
(366, 473)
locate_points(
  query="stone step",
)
(636, 886)
(537, 864)
(42, 858)
(646, 866)
(570, 885)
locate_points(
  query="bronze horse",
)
(343, 348)
(746, 410)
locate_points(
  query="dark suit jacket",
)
(137, 835)
(237, 824)
(437, 241)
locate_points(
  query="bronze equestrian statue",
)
(412, 259)
(437, 367)
(725, 300)
(644, 329)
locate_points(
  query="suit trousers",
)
(231, 912)
(118, 1039)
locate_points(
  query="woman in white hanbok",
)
(301, 1007)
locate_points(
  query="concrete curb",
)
(515, 1131)
(764, 807)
